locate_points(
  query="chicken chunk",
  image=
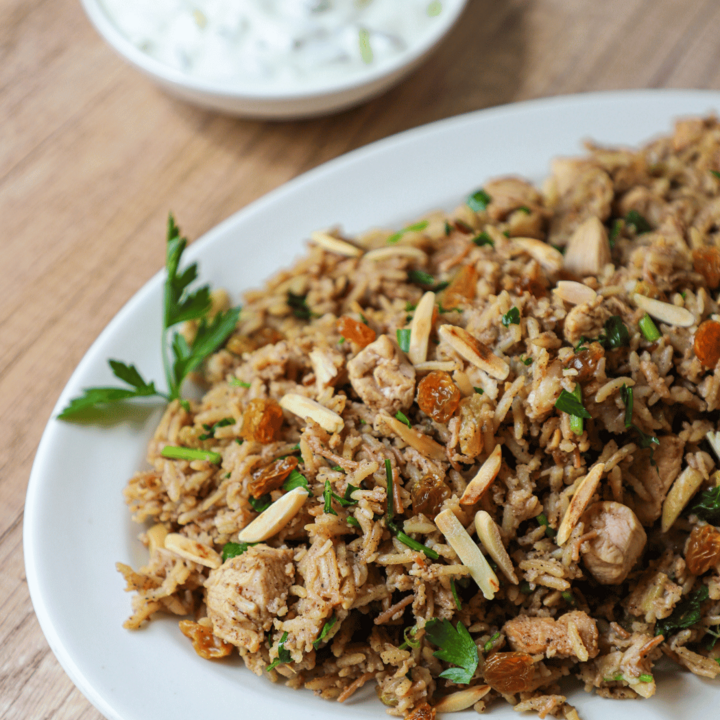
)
(619, 542)
(247, 592)
(586, 320)
(535, 635)
(508, 194)
(656, 473)
(382, 376)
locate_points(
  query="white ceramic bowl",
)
(281, 100)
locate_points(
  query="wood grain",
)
(92, 156)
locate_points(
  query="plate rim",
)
(72, 665)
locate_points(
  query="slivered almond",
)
(305, 408)
(422, 443)
(156, 537)
(420, 328)
(588, 249)
(685, 486)
(192, 550)
(665, 312)
(484, 478)
(468, 552)
(429, 365)
(550, 258)
(474, 351)
(714, 439)
(328, 242)
(462, 700)
(580, 500)
(490, 538)
(463, 382)
(392, 251)
(574, 293)
(272, 520)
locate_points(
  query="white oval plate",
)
(76, 523)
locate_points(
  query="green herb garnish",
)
(716, 173)
(417, 227)
(419, 277)
(479, 200)
(511, 317)
(283, 657)
(483, 239)
(298, 305)
(352, 521)
(403, 339)
(402, 418)
(453, 590)
(568, 597)
(327, 627)
(294, 480)
(525, 587)
(488, 645)
(478, 390)
(616, 333)
(448, 228)
(409, 634)
(238, 383)
(569, 403)
(390, 519)
(640, 224)
(184, 453)
(328, 495)
(210, 429)
(231, 549)
(709, 506)
(685, 615)
(542, 520)
(262, 503)
(180, 305)
(576, 423)
(644, 440)
(648, 328)
(645, 678)
(456, 647)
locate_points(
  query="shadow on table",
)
(480, 64)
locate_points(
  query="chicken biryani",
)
(465, 459)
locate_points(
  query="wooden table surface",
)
(92, 156)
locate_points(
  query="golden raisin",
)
(532, 286)
(706, 261)
(707, 343)
(205, 643)
(586, 361)
(357, 332)
(703, 550)
(271, 477)
(438, 396)
(262, 420)
(423, 711)
(509, 672)
(462, 288)
(428, 495)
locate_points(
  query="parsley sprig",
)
(456, 647)
(180, 358)
(645, 441)
(709, 506)
(283, 657)
(685, 615)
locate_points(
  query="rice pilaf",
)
(468, 458)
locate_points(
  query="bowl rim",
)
(268, 90)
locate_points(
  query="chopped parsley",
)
(685, 615)
(709, 506)
(511, 317)
(648, 328)
(456, 647)
(616, 229)
(525, 588)
(403, 339)
(479, 200)
(294, 480)
(402, 418)
(419, 277)
(569, 403)
(482, 239)
(210, 429)
(644, 440)
(616, 333)
(298, 305)
(327, 627)
(636, 220)
(231, 549)
(525, 209)
(478, 390)
(568, 597)
(238, 383)
(283, 657)
(526, 361)
(448, 228)
(390, 519)
(184, 453)
(180, 305)
(328, 496)
(417, 227)
(716, 173)
(260, 504)
(352, 521)
(542, 520)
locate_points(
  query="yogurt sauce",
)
(283, 41)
